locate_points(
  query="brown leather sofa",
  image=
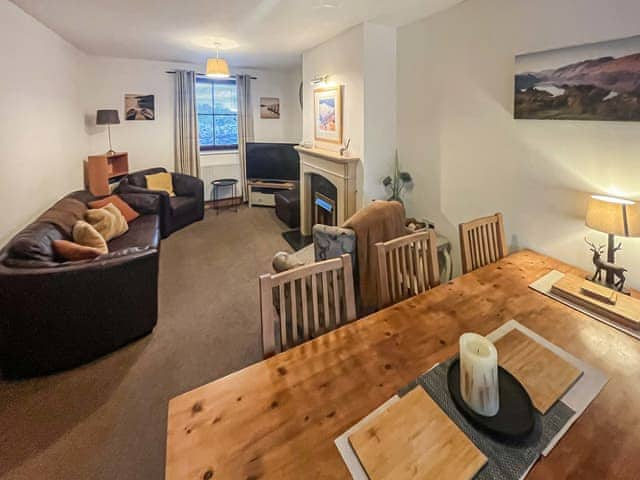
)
(176, 212)
(56, 315)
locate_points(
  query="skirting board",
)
(544, 284)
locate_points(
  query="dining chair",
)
(305, 302)
(482, 242)
(407, 266)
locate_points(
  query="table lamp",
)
(108, 118)
(613, 216)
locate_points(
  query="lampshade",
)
(107, 117)
(217, 68)
(613, 215)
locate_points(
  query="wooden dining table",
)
(279, 417)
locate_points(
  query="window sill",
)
(217, 152)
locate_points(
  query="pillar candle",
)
(479, 374)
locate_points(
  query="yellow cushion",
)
(84, 234)
(108, 221)
(160, 181)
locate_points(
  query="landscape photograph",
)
(599, 81)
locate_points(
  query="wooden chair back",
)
(482, 242)
(305, 302)
(407, 266)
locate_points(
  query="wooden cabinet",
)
(99, 170)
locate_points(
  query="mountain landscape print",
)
(599, 81)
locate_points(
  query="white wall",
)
(342, 58)
(107, 80)
(379, 107)
(151, 143)
(469, 157)
(41, 128)
(363, 61)
(285, 86)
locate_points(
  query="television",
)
(272, 161)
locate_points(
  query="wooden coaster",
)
(545, 375)
(413, 439)
(624, 309)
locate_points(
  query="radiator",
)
(209, 173)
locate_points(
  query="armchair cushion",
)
(181, 205)
(160, 181)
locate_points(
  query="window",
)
(217, 107)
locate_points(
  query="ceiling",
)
(252, 33)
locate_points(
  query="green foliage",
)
(396, 183)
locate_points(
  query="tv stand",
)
(261, 191)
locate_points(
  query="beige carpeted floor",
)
(107, 420)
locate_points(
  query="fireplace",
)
(328, 192)
(324, 198)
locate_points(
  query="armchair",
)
(176, 212)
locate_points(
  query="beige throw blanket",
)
(380, 221)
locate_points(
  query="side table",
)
(221, 184)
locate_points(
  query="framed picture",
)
(328, 114)
(269, 107)
(139, 107)
(597, 81)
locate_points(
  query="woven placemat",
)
(505, 461)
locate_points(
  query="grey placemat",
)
(505, 461)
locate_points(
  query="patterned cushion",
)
(332, 242)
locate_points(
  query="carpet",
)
(107, 419)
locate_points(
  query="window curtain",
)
(245, 127)
(187, 149)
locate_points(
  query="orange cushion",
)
(74, 251)
(129, 213)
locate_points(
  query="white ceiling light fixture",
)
(217, 67)
(326, 4)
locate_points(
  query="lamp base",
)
(603, 283)
(111, 152)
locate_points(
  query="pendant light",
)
(217, 67)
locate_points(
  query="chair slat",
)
(294, 312)
(409, 270)
(299, 318)
(482, 242)
(314, 296)
(325, 301)
(283, 318)
(305, 308)
(336, 298)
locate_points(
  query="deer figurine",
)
(618, 272)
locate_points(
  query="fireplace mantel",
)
(327, 155)
(339, 170)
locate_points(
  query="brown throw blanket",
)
(64, 214)
(380, 221)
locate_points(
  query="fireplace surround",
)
(334, 170)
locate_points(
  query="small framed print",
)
(328, 114)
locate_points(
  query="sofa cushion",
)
(35, 242)
(64, 214)
(85, 234)
(181, 205)
(72, 251)
(129, 213)
(108, 221)
(144, 232)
